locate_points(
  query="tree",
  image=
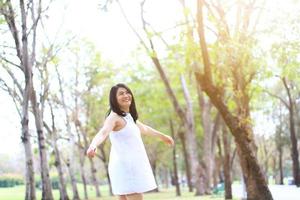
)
(70, 158)
(238, 122)
(27, 59)
(52, 131)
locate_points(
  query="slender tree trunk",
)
(46, 182)
(219, 163)
(108, 178)
(266, 161)
(192, 142)
(154, 168)
(280, 167)
(92, 165)
(81, 151)
(29, 173)
(94, 175)
(70, 159)
(214, 137)
(30, 181)
(226, 163)
(58, 163)
(210, 129)
(293, 138)
(165, 172)
(175, 171)
(206, 122)
(186, 162)
(83, 179)
(82, 173)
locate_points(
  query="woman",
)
(129, 168)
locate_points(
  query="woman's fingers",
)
(91, 152)
(169, 140)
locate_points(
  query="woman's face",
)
(123, 98)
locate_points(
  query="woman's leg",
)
(135, 196)
(122, 197)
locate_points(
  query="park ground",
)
(279, 192)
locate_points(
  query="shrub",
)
(10, 180)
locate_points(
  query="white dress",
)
(129, 167)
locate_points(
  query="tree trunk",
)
(92, 165)
(293, 138)
(206, 122)
(82, 173)
(153, 160)
(256, 185)
(46, 182)
(81, 151)
(108, 178)
(70, 160)
(226, 163)
(29, 173)
(58, 164)
(83, 180)
(165, 172)
(186, 162)
(30, 181)
(94, 176)
(192, 141)
(175, 171)
(280, 167)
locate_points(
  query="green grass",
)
(17, 193)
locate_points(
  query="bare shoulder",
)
(141, 126)
(113, 117)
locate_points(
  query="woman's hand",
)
(168, 140)
(91, 152)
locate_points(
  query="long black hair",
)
(113, 103)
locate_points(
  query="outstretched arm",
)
(108, 126)
(147, 130)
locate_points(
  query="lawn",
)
(17, 193)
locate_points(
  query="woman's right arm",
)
(108, 126)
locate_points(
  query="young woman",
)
(129, 168)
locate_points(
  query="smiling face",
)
(124, 99)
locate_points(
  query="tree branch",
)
(13, 94)
(9, 16)
(278, 97)
(15, 80)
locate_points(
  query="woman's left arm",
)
(147, 130)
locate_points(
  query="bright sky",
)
(109, 32)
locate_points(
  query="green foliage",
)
(11, 180)
(54, 181)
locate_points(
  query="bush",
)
(54, 182)
(10, 180)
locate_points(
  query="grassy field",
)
(17, 193)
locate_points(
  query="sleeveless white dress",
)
(129, 167)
